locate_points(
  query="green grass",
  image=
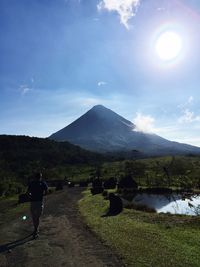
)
(145, 239)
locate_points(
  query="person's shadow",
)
(16, 243)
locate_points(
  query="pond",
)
(173, 203)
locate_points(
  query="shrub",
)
(8, 188)
(127, 182)
(96, 190)
(105, 193)
(110, 183)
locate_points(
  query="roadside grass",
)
(145, 239)
(10, 210)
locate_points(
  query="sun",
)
(168, 45)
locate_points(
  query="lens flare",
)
(168, 45)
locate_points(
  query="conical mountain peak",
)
(98, 107)
(98, 125)
(101, 129)
(107, 114)
(102, 110)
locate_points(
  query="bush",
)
(97, 183)
(83, 184)
(110, 183)
(116, 205)
(8, 188)
(3, 188)
(96, 190)
(105, 193)
(127, 182)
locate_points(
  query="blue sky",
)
(60, 58)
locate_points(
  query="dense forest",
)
(21, 156)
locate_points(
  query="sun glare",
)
(168, 45)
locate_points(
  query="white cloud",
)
(144, 123)
(101, 83)
(24, 89)
(188, 117)
(125, 8)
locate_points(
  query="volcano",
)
(102, 130)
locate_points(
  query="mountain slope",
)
(101, 129)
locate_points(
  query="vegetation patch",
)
(161, 172)
(144, 239)
(10, 209)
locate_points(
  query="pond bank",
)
(145, 239)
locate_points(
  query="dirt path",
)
(64, 239)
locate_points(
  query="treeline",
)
(169, 171)
(20, 156)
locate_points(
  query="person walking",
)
(37, 189)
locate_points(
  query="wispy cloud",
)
(190, 99)
(188, 103)
(125, 8)
(24, 89)
(188, 117)
(144, 123)
(101, 83)
(161, 9)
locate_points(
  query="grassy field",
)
(145, 239)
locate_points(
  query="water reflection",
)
(172, 203)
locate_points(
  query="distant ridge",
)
(101, 129)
